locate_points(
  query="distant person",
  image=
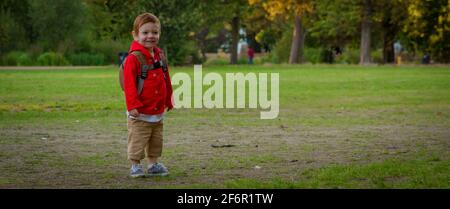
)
(397, 48)
(250, 54)
(148, 95)
(398, 52)
(426, 58)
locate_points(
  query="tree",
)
(235, 26)
(341, 22)
(179, 21)
(14, 23)
(335, 22)
(260, 30)
(391, 16)
(338, 30)
(428, 28)
(364, 57)
(56, 21)
(111, 18)
(289, 10)
(217, 20)
(232, 11)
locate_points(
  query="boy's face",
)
(148, 35)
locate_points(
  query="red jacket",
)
(156, 94)
(250, 52)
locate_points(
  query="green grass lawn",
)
(339, 127)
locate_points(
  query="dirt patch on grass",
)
(87, 157)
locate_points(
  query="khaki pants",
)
(144, 137)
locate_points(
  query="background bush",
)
(17, 58)
(87, 59)
(348, 56)
(110, 50)
(377, 56)
(25, 60)
(280, 53)
(312, 55)
(52, 59)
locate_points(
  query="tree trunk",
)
(302, 45)
(364, 57)
(234, 40)
(389, 32)
(201, 38)
(296, 55)
(388, 47)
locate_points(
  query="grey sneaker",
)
(137, 171)
(157, 169)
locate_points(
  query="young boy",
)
(145, 109)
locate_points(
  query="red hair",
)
(143, 19)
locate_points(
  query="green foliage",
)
(377, 56)
(259, 60)
(326, 55)
(242, 60)
(111, 19)
(428, 28)
(110, 49)
(25, 60)
(72, 27)
(281, 51)
(87, 59)
(312, 55)
(11, 33)
(70, 46)
(335, 22)
(51, 59)
(190, 52)
(55, 21)
(267, 58)
(348, 56)
(268, 36)
(178, 20)
(10, 59)
(17, 58)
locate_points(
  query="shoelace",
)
(136, 168)
(157, 168)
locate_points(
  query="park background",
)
(93, 32)
(364, 99)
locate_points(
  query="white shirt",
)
(148, 118)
